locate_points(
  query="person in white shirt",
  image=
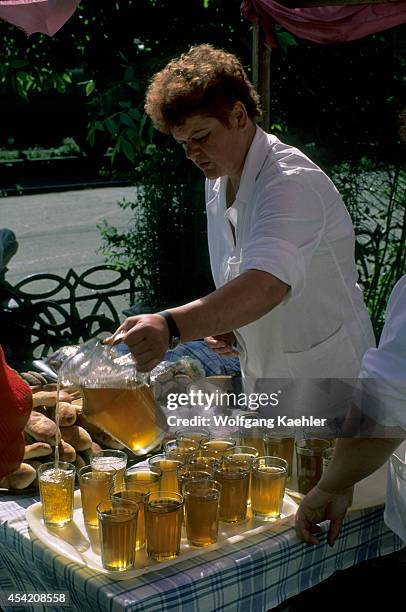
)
(382, 397)
(281, 241)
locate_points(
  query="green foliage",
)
(14, 74)
(9, 154)
(284, 39)
(67, 148)
(337, 101)
(375, 195)
(26, 69)
(166, 241)
(117, 117)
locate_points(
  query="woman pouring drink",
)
(281, 241)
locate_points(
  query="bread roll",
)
(42, 429)
(78, 437)
(21, 478)
(38, 449)
(67, 414)
(48, 398)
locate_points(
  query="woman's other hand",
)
(222, 344)
(317, 506)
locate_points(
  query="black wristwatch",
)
(174, 333)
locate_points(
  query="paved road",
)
(57, 231)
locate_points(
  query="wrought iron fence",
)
(43, 312)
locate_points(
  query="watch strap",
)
(174, 333)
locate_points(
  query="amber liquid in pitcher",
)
(129, 415)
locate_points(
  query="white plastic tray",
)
(80, 545)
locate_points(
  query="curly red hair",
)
(205, 81)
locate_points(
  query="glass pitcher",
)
(116, 398)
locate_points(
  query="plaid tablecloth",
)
(255, 574)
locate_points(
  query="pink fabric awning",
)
(327, 24)
(45, 16)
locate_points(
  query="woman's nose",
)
(191, 150)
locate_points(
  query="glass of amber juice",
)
(109, 458)
(163, 524)
(201, 511)
(206, 458)
(218, 445)
(169, 466)
(175, 451)
(190, 438)
(268, 487)
(188, 472)
(254, 436)
(278, 445)
(234, 480)
(56, 486)
(139, 498)
(143, 478)
(94, 488)
(309, 456)
(117, 531)
(244, 455)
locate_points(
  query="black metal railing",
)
(37, 318)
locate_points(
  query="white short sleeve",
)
(288, 227)
(382, 387)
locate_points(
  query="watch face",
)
(175, 340)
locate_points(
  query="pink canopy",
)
(45, 16)
(326, 24)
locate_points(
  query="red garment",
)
(15, 408)
(325, 24)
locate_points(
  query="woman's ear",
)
(240, 115)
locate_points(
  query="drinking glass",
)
(127, 493)
(201, 499)
(94, 488)
(186, 473)
(244, 455)
(56, 486)
(163, 524)
(309, 453)
(108, 458)
(252, 436)
(234, 480)
(169, 466)
(191, 438)
(218, 445)
(278, 445)
(268, 487)
(117, 532)
(143, 479)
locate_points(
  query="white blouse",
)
(383, 386)
(289, 220)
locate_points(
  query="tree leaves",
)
(90, 87)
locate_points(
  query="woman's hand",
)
(317, 506)
(222, 344)
(147, 337)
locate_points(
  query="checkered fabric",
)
(254, 575)
(213, 364)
